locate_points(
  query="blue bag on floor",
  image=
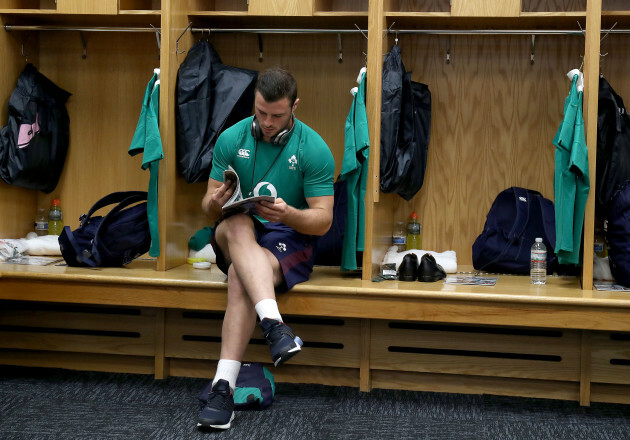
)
(255, 388)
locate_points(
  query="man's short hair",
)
(275, 84)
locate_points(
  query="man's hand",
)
(273, 212)
(223, 193)
(217, 194)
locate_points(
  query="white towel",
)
(446, 259)
(43, 245)
(601, 269)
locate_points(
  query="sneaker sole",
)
(287, 355)
(226, 426)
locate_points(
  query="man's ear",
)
(295, 104)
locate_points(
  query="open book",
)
(237, 203)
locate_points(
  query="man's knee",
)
(239, 226)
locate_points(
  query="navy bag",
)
(516, 218)
(617, 230)
(255, 388)
(113, 240)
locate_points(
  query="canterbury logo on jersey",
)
(242, 152)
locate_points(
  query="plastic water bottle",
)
(538, 266)
(414, 240)
(399, 238)
(55, 219)
(41, 222)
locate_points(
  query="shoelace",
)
(219, 400)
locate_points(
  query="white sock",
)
(227, 370)
(268, 308)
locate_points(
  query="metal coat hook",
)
(177, 51)
(360, 30)
(396, 39)
(448, 50)
(24, 54)
(340, 48)
(157, 37)
(260, 48)
(83, 42)
(531, 57)
(389, 29)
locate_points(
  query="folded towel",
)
(446, 259)
(43, 245)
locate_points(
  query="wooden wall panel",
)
(107, 91)
(486, 8)
(494, 116)
(475, 351)
(419, 6)
(87, 6)
(554, 5)
(290, 8)
(78, 329)
(326, 342)
(610, 358)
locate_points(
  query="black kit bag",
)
(405, 129)
(613, 147)
(517, 217)
(211, 96)
(115, 239)
(255, 388)
(34, 143)
(617, 232)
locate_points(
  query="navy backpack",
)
(516, 218)
(113, 240)
(617, 230)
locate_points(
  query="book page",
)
(238, 204)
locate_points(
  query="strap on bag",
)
(134, 197)
(73, 243)
(115, 197)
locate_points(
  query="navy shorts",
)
(293, 250)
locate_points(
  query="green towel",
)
(201, 238)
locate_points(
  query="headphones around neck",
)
(282, 138)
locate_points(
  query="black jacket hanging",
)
(34, 143)
(211, 97)
(405, 129)
(613, 147)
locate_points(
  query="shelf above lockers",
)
(289, 8)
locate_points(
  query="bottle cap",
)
(538, 240)
(413, 215)
(55, 202)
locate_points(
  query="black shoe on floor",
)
(429, 271)
(408, 267)
(219, 411)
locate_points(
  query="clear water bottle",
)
(413, 233)
(41, 222)
(538, 266)
(55, 219)
(399, 237)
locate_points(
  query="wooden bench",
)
(554, 341)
